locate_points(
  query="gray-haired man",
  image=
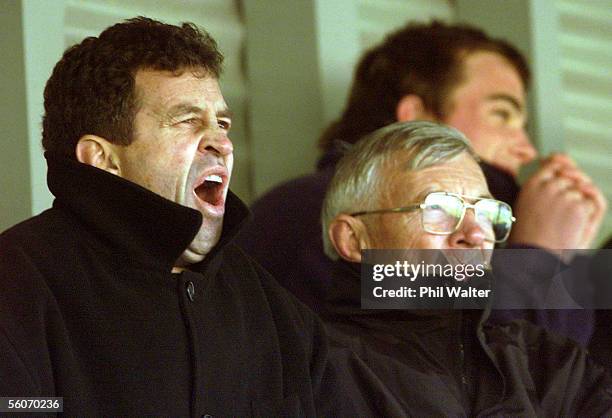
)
(417, 186)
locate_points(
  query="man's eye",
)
(191, 121)
(224, 124)
(502, 114)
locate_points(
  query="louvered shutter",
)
(585, 41)
(379, 17)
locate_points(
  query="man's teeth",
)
(215, 178)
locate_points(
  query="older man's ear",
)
(348, 236)
(411, 107)
(98, 152)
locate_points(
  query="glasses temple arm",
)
(394, 210)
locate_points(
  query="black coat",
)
(449, 363)
(90, 311)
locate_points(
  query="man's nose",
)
(470, 233)
(524, 149)
(216, 142)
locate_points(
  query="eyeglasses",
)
(443, 212)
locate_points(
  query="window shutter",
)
(379, 17)
(585, 41)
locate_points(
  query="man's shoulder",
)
(563, 371)
(288, 210)
(525, 335)
(549, 354)
(36, 231)
(47, 221)
(26, 252)
(38, 247)
(295, 191)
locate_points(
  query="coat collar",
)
(135, 223)
(502, 185)
(343, 302)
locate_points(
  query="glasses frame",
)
(466, 206)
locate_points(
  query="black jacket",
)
(449, 363)
(90, 311)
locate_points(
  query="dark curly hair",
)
(91, 89)
(421, 59)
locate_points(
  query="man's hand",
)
(559, 207)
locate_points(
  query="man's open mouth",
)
(211, 190)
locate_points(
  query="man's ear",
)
(411, 107)
(348, 236)
(98, 152)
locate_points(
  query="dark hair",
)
(421, 59)
(92, 89)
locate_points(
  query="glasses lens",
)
(442, 213)
(495, 217)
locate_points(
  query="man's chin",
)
(202, 244)
(190, 256)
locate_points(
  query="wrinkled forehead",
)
(162, 90)
(460, 174)
(148, 80)
(489, 71)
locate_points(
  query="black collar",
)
(502, 185)
(134, 222)
(343, 302)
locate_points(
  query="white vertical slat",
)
(379, 17)
(221, 18)
(42, 32)
(586, 58)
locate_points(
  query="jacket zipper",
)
(462, 362)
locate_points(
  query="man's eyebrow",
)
(480, 196)
(423, 194)
(507, 98)
(225, 113)
(186, 108)
(183, 109)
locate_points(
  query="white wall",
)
(585, 43)
(15, 199)
(300, 61)
(31, 36)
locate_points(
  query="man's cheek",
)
(230, 167)
(431, 241)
